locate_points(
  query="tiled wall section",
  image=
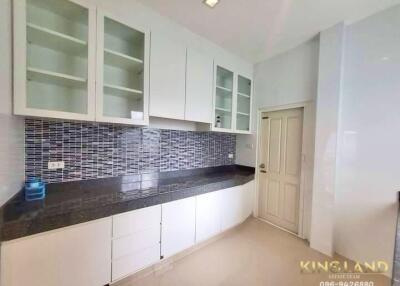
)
(93, 150)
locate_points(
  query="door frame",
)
(307, 163)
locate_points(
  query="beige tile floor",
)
(253, 254)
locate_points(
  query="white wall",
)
(327, 118)
(288, 78)
(136, 13)
(11, 128)
(368, 169)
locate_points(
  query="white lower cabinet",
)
(135, 241)
(248, 190)
(221, 210)
(232, 206)
(178, 226)
(79, 255)
(208, 215)
(106, 250)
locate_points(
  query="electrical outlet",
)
(230, 156)
(249, 146)
(52, 165)
(55, 165)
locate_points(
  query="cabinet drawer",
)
(135, 242)
(134, 262)
(136, 221)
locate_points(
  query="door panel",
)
(291, 207)
(273, 197)
(293, 145)
(280, 167)
(275, 145)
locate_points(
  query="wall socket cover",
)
(55, 165)
(230, 156)
(249, 146)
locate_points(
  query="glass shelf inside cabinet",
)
(223, 98)
(123, 71)
(57, 56)
(243, 104)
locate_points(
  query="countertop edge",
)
(77, 217)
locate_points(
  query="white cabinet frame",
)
(251, 104)
(100, 71)
(236, 74)
(20, 66)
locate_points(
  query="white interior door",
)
(280, 167)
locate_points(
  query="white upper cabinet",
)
(75, 61)
(232, 101)
(54, 59)
(199, 86)
(223, 99)
(167, 77)
(243, 104)
(122, 72)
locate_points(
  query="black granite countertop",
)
(81, 201)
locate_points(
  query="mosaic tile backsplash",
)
(97, 150)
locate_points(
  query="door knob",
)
(262, 166)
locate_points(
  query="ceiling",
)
(259, 29)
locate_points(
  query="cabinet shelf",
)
(243, 95)
(123, 91)
(243, 114)
(55, 78)
(223, 109)
(224, 89)
(54, 40)
(123, 61)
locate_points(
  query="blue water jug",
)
(34, 190)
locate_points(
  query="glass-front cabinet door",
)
(54, 59)
(122, 73)
(243, 106)
(223, 103)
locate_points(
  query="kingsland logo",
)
(309, 267)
